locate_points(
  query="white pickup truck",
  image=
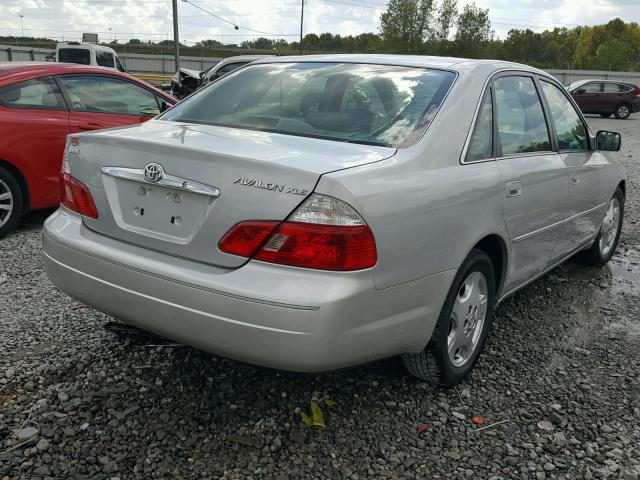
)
(88, 54)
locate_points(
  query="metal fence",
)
(567, 77)
(134, 62)
(165, 64)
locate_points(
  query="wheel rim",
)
(623, 111)
(6, 202)
(467, 318)
(609, 228)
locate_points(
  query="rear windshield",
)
(74, 55)
(371, 104)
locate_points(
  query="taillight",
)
(76, 196)
(324, 233)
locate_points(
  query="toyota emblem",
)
(153, 172)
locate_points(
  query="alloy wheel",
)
(609, 228)
(623, 111)
(467, 318)
(6, 202)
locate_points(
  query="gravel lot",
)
(560, 370)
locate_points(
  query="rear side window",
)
(521, 124)
(40, 94)
(229, 67)
(106, 94)
(481, 143)
(572, 134)
(75, 55)
(105, 59)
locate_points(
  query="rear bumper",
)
(280, 317)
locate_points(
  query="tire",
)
(622, 111)
(605, 115)
(11, 202)
(597, 255)
(435, 364)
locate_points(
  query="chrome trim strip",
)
(169, 181)
(557, 224)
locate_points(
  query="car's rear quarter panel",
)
(425, 209)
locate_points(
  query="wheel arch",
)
(496, 249)
(20, 178)
(623, 186)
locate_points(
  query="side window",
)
(40, 94)
(104, 59)
(119, 66)
(520, 118)
(105, 94)
(480, 145)
(592, 87)
(572, 134)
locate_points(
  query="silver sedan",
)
(313, 213)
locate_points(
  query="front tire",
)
(608, 237)
(622, 111)
(462, 327)
(10, 202)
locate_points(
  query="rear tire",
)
(622, 111)
(607, 239)
(10, 202)
(462, 326)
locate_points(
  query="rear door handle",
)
(90, 126)
(514, 189)
(575, 180)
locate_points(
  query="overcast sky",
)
(151, 19)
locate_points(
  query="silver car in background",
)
(313, 213)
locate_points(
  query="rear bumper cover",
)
(275, 316)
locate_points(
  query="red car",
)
(40, 104)
(606, 97)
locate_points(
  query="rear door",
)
(34, 123)
(587, 191)
(104, 101)
(535, 177)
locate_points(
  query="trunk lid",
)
(213, 178)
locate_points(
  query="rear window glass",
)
(74, 55)
(39, 94)
(372, 104)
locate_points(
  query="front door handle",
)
(575, 180)
(90, 126)
(514, 189)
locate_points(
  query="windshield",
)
(372, 104)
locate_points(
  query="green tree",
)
(406, 25)
(445, 21)
(474, 31)
(612, 55)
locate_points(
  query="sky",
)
(152, 19)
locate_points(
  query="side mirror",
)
(608, 141)
(164, 106)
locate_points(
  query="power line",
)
(237, 27)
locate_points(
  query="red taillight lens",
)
(326, 247)
(245, 238)
(76, 196)
(324, 233)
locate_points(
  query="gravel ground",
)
(560, 371)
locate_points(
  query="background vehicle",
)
(88, 54)
(606, 97)
(360, 209)
(40, 104)
(186, 81)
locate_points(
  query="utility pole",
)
(176, 39)
(301, 23)
(21, 17)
